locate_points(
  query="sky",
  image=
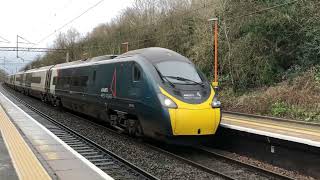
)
(34, 20)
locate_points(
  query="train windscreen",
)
(179, 72)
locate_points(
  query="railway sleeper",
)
(93, 156)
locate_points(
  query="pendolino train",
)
(152, 92)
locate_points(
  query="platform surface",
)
(35, 151)
(7, 171)
(291, 131)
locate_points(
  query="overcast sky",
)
(36, 19)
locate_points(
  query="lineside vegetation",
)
(269, 57)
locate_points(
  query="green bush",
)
(279, 109)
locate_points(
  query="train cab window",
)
(179, 72)
(136, 73)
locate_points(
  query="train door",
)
(53, 81)
(118, 87)
(136, 82)
(91, 96)
(83, 88)
(47, 81)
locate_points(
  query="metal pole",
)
(17, 45)
(215, 44)
(216, 51)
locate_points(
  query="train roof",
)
(44, 68)
(86, 61)
(155, 55)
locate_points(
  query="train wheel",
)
(139, 132)
(57, 103)
(134, 128)
(42, 98)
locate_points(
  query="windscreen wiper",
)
(164, 77)
(184, 79)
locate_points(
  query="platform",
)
(286, 130)
(35, 152)
(7, 171)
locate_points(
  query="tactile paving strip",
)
(25, 162)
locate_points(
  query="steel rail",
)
(250, 166)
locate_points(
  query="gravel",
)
(254, 162)
(154, 162)
(221, 165)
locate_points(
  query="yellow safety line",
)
(274, 126)
(26, 164)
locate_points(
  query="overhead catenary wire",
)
(263, 10)
(194, 10)
(167, 18)
(140, 27)
(235, 17)
(26, 41)
(5, 40)
(202, 7)
(69, 22)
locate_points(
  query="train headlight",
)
(167, 102)
(215, 103)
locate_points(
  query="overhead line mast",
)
(215, 44)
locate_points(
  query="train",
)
(151, 92)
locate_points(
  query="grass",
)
(295, 98)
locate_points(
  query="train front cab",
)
(193, 119)
(189, 102)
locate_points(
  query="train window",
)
(75, 81)
(94, 76)
(28, 77)
(61, 81)
(83, 81)
(18, 79)
(136, 73)
(65, 82)
(179, 72)
(36, 80)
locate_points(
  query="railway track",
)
(199, 157)
(239, 170)
(228, 168)
(213, 153)
(109, 162)
(215, 163)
